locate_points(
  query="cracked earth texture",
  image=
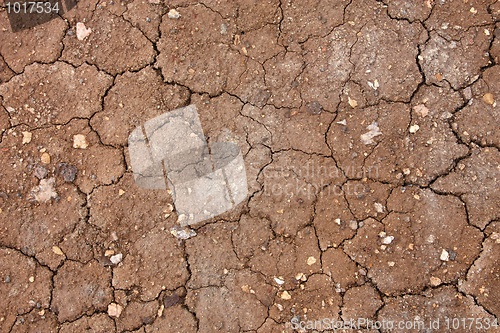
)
(371, 139)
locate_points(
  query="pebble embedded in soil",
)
(488, 98)
(314, 107)
(421, 110)
(285, 295)
(387, 240)
(67, 172)
(57, 250)
(182, 233)
(82, 32)
(44, 191)
(40, 172)
(435, 281)
(414, 128)
(116, 259)
(45, 158)
(173, 14)
(27, 137)
(115, 310)
(80, 141)
(445, 255)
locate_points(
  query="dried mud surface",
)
(371, 140)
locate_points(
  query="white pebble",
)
(116, 259)
(279, 281)
(173, 14)
(81, 31)
(80, 141)
(445, 256)
(387, 240)
(379, 207)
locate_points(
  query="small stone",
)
(121, 192)
(279, 281)
(353, 103)
(387, 240)
(115, 310)
(45, 158)
(31, 279)
(353, 224)
(116, 259)
(160, 311)
(27, 137)
(314, 107)
(171, 300)
(67, 172)
(379, 207)
(421, 110)
(173, 14)
(40, 172)
(311, 261)
(453, 255)
(391, 263)
(285, 295)
(468, 93)
(80, 141)
(44, 191)
(414, 128)
(445, 256)
(488, 98)
(109, 253)
(82, 32)
(7, 279)
(223, 29)
(435, 281)
(57, 250)
(181, 233)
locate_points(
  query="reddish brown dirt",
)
(371, 140)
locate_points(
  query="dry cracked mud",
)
(370, 136)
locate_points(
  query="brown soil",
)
(371, 140)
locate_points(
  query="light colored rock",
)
(82, 32)
(27, 137)
(173, 14)
(115, 310)
(80, 141)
